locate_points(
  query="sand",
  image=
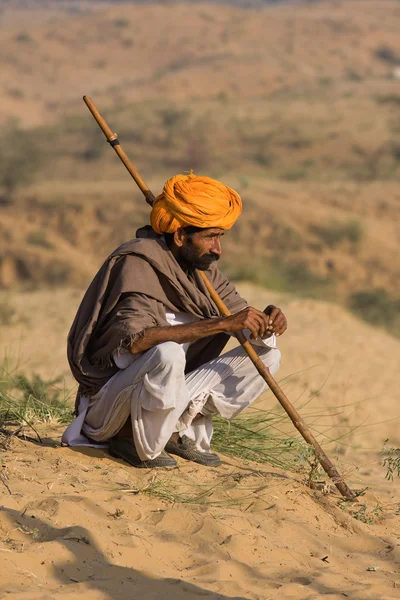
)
(75, 524)
(81, 524)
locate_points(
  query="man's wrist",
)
(219, 325)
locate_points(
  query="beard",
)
(190, 258)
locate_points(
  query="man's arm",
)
(248, 318)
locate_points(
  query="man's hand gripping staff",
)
(259, 323)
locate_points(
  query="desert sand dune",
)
(76, 524)
(296, 106)
(80, 523)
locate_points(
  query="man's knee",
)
(171, 354)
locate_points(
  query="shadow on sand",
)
(94, 570)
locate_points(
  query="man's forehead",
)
(212, 231)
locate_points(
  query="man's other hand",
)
(249, 318)
(277, 322)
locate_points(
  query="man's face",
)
(200, 249)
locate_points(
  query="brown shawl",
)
(129, 294)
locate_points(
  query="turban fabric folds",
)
(197, 201)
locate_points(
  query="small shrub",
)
(23, 37)
(282, 275)
(37, 388)
(360, 512)
(93, 151)
(57, 272)
(395, 150)
(100, 63)
(391, 460)
(253, 437)
(170, 117)
(127, 42)
(284, 238)
(388, 99)
(38, 238)
(325, 81)
(26, 400)
(7, 312)
(20, 158)
(354, 232)
(264, 158)
(223, 97)
(352, 75)
(336, 233)
(206, 16)
(121, 23)
(378, 308)
(294, 174)
(387, 55)
(296, 142)
(244, 181)
(94, 146)
(16, 93)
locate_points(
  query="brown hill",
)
(310, 239)
(184, 52)
(296, 108)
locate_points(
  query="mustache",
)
(211, 256)
(205, 261)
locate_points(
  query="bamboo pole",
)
(112, 139)
(280, 395)
(296, 419)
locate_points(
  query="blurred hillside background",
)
(294, 104)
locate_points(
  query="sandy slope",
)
(74, 525)
(82, 524)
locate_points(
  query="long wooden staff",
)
(298, 422)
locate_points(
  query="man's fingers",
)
(263, 321)
(253, 326)
(279, 322)
(281, 326)
(275, 312)
(260, 321)
(259, 325)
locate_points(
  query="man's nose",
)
(217, 248)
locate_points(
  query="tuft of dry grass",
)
(26, 401)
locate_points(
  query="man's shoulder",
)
(145, 242)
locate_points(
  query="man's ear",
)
(179, 237)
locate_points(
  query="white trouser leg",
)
(160, 399)
(226, 386)
(152, 391)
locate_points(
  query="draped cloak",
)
(131, 292)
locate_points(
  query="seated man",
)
(145, 343)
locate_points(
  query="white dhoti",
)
(160, 399)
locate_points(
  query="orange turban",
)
(197, 201)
